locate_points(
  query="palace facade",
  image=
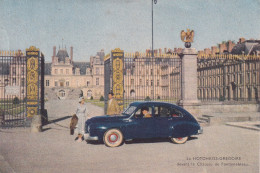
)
(66, 78)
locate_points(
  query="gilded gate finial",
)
(32, 48)
(187, 37)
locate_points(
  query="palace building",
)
(66, 78)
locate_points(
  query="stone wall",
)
(228, 108)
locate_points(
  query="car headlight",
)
(88, 129)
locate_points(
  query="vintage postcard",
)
(129, 86)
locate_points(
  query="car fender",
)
(184, 128)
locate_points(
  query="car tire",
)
(179, 140)
(113, 138)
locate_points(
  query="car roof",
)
(149, 102)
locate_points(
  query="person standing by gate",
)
(81, 114)
(113, 107)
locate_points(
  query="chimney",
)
(54, 53)
(241, 40)
(71, 53)
(165, 50)
(160, 51)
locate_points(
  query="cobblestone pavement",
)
(219, 149)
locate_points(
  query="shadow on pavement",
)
(43, 130)
(59, 119)
(142, 141)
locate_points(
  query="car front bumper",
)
(200, 131)
(90, 138)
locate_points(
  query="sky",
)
(92, 25)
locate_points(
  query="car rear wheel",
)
(179, 140)
(113, 138)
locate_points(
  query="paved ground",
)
(54, 150)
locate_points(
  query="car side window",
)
(144, 112)
(164, 111)
(156, 111)
(176, 113)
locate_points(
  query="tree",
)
(147, 98)
(16, 101)
(101, 98)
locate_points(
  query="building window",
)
(97, 81)
(56, 83)
(61, 93)
(47, 83)
(14, 80)
(147, 82)
(151, 71)
(88, 83)
(241, 79)
(22, 71)
(67, 71)
(158, 82)
(97, 70)
(132, 93)
(132, 81)
(56, 71)
(140, 81)
(151, 82)
(22, 82)
(254, 77)
(14, 71)
(67, 83)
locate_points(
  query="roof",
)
(47, 68)
(247, 47)
(4, 68)
(62, 55)
(82, 66)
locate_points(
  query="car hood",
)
(107, 118)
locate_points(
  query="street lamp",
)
(155, 2)
(153, 61)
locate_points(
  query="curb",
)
(244, 126)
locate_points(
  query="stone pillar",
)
(189, 99)
(36, 125)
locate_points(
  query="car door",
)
(162, 120)
(145, 127)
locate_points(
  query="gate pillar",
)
(189, 84)
(32, 91)
(32, 81)
(117, 56)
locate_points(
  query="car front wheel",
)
(113, 138)
(179, 140)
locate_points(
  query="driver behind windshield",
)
(145, 112)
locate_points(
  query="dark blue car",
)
(143, 120)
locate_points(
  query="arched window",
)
(89, 93)
(132, 93)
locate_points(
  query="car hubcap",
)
(113, 137)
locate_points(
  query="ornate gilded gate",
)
(141, 77)
(20, 85)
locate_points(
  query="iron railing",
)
(12, 89)
(228, 78)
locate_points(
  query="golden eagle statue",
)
(188, 35)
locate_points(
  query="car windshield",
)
(129, 110)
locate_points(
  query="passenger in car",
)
(145, 112)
